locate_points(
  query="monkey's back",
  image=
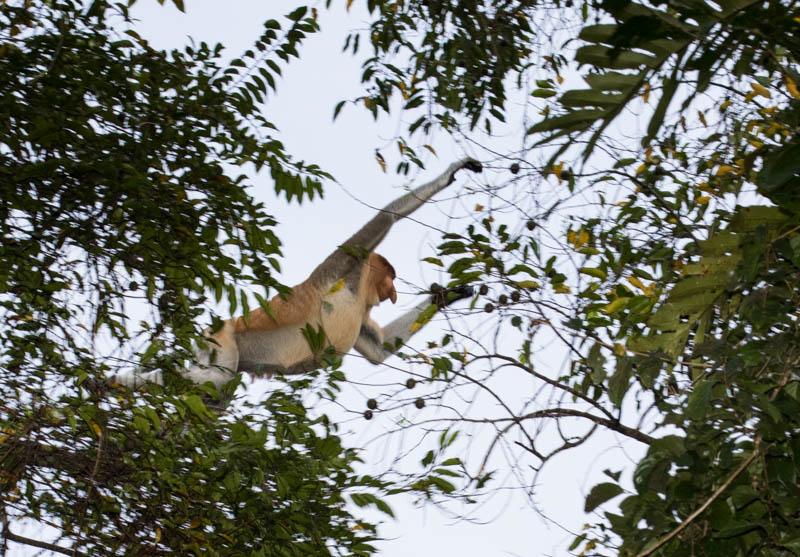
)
(278, 340)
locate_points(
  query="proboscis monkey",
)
(337, 297)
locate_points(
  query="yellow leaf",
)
(791, 86)
(158, 535)
(528, 284)
(617, 304)
(702, 200)
(226, 536)
(559, 79)
(195, 523)
(97, 430)
(415, 327)
(724, 169)
(760, 90)
(337, 286)
(646, 95)
(755, 143)
(749, 96)
(381, 161)
(429, 148)
(562, 289)
(349, 3)
(636, 282)
(703, 186)
(619, 350)
(725, 105)
(583, 237)
(400, 147)
(571, 236)
(702, 117)
(478, 208)
(773, 128)
(557, 170)
(641, 168)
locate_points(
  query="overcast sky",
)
(302, 110)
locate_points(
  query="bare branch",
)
(8, 534)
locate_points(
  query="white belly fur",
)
(341, 319)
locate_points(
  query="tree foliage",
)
(662, 257)
(118, 168)
(676, 296)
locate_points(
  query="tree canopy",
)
(675, 290)
(649, 225)
(119, 188)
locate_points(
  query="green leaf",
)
(571, 120)
(196, 405)
(590, 97)
(604, 57)
(620, 381)
(613, 81)
(593, 272)
(600, 494)
(699, 399)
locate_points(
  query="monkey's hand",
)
(473, 165)
(443, 297)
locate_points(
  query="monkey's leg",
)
(220, 361)
(198, 374)
(134, 378)
(217, 363)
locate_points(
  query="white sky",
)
(302, 110)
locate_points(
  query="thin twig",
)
(705, 505)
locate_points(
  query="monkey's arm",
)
(372, 337)
(372, 233)
(375, 230)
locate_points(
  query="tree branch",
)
(9, 535)
(705, 505)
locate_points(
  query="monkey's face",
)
(386, 289)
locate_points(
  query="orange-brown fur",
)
(294, 310)
(267, 343)
(304, 298)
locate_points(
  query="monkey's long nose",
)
(393, 296)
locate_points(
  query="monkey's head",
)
(381, 278)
